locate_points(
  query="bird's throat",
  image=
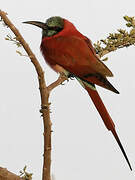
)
(49, 33)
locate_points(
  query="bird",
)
(70, 53)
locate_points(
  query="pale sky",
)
(82, 148)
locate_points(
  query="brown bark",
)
(44, 92)
(6, 175)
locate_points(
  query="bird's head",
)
(51, 27)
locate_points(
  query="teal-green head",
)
(51, 27)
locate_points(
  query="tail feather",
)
(101, 108)
(105, 116)
(121, 147)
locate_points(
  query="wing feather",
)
(75, 54)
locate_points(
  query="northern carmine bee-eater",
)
(69, 52)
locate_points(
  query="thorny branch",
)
(117, 40)
(44, 92)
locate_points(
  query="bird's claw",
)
(62, 84)
(67, 77)
(72, 78)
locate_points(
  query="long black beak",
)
(37, 23)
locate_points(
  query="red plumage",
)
(65, 49)
(71, 51)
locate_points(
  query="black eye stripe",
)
(55, 28)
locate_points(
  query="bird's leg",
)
(71, 76)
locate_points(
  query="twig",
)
(44, 92)
(118, 40)
(59, 81)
